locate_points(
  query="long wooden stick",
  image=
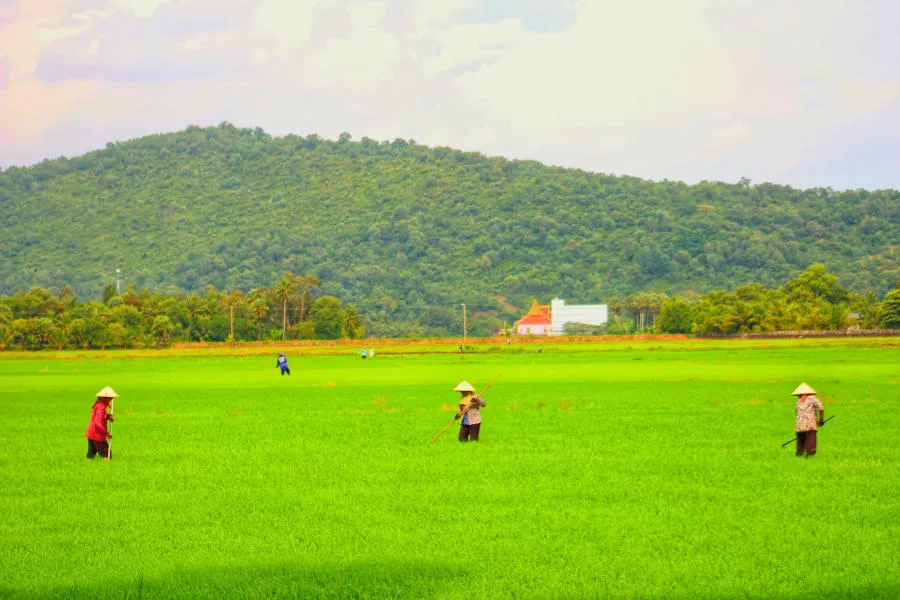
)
(822, 425)
(112, 405)
(459, 414)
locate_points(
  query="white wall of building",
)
(534, 330)
(590, 314)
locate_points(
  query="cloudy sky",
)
(800, 92)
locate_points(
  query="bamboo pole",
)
(461, 414)
(112, 406)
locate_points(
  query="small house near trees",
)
(536, 322)
(559, 319)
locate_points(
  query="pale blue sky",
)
(799, 92)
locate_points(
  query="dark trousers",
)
(100, 447)
(469, 432)
(285, 370)
(806, 443)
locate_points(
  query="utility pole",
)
(118, 291)
(464, 324)
(232, 324)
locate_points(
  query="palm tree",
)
(304, 284)
(161, 329)
(6, 314)
(78, 333)
(197, 311)
(260, 309)
(44, 331)
(259, 299)
(23, 331)
(655, 300)
(351, 321)
(284, 289)
(233, 300)
(615, 305)
(631, 307)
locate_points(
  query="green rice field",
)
(605, 470)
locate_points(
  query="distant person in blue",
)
(363, 352)
(282, 363)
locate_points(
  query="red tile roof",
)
(537, 315)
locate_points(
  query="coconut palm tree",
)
(351, 321)
(197, 311)
(44, 331)
(161, 329)
(78, 333)
(284, 289)
(304, 283)
(23, 331)
(260, 309)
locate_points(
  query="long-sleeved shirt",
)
(473, 416)
(808, 414)
(96, 429)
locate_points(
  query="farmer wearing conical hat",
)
(810, 415)
(469, 405)
(97, 432)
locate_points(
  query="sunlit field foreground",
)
(648, 470)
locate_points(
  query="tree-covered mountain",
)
(407, 232)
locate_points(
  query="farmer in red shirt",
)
(97, 431)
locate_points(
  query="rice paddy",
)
(645, 470)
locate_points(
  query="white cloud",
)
(367, 15)
(428, 15)
(729, 137)
(474, 44)
(601, 73)
(361, 59)
(694, 89)
(287, 22)
(143, 9)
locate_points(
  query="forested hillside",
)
(407, 233)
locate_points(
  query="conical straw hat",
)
(803, 390)
(464, 386)
(107, 392)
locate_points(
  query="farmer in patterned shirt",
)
(470, 404)
(810, 415)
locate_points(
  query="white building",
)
(588, 314)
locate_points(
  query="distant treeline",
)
(407, 232)
(812, 301)
(39, 318)
(293, 308)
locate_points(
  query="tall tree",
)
(328, 316)
(352, 324)
(890, 310)
(305, 283)
(675, 316)
(284, 289)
